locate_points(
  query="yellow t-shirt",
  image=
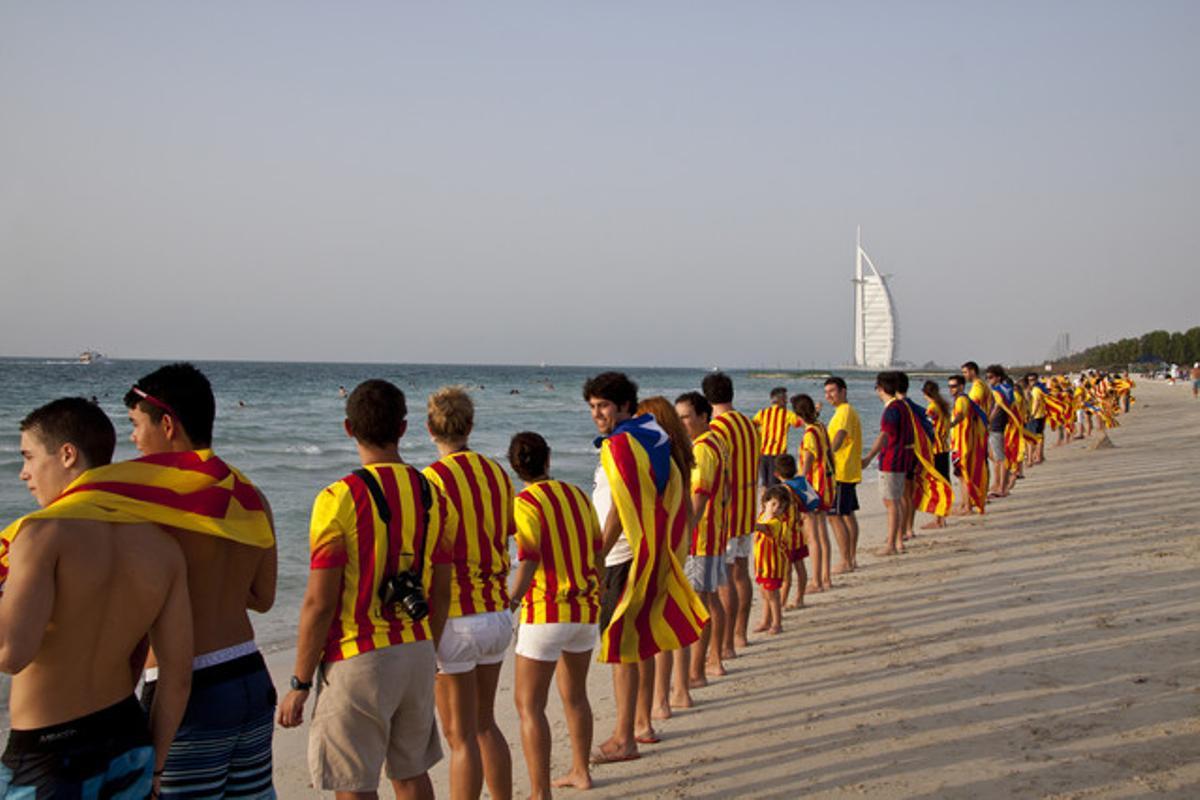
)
(847, 459)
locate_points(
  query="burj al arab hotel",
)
(876, 331)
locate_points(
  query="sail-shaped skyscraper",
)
(875, 328)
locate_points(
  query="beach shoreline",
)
(1045, 650)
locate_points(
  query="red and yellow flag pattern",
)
(741, 440)
(933, 492)
(194, 491)
(969, 443)
(772, 550)
(658, 610)
(773, 423)
(482, 494)
(557, 527)
(819, 472)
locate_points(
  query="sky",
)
(627, 183)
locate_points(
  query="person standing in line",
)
(374, 608)
(845, 443)
(741, 439)
(646, 603)
(773, 424)
(80, 590)
(223, 746)
(557, 599)
(939, 414)
(894, 448)
(479, 625)
(705, 564)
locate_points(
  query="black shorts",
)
(845, 499)
(1037, 426)
(766, 471)
(108, 753)
(615, 578)
(942, 462)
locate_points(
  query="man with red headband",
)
(224, 742)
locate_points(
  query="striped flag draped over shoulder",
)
(658, 609)
(194, 491)
(1015, 435)
(970, 450)
(935, 494)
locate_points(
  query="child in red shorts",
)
(772, 541)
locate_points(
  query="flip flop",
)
(600, 757)
(647, 738)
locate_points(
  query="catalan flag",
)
(820, 471)
(935, 495)
(969, 441)
(195, 491)
(658, 609)
(1058, 409)
(1015, 435)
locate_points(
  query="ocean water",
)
(281, 424)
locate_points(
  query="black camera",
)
(405, 590)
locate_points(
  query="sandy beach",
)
(1050, 649)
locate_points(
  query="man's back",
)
(741, 440)
(223, 577)
(110, 584)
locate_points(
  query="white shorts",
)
(547, 641)
(473, 640)
(740, 547)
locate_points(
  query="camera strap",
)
(384, 509)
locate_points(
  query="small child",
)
(785, 470)
(771, 545)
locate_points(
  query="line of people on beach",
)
(145, 571)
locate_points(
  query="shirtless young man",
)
(79, 599)
(224, 741)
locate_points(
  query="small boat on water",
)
(90, 357)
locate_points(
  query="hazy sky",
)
(623, 183)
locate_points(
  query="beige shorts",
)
(374, 709)
(474, 639)
(891, 485)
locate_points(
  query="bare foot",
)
(726, 655)
(931, 526)
(775, 631)
(740, 641)
(826, 585)
(697, 681)
(887, 551)
(813, 587)
(661, 712)
(842, 568)
(682, 700)
(611, 751)
(762, 628)
(573, 780)
(716, 670)
(792, 606)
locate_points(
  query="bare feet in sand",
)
(841, 568)
(715, 670)
(763, 628)
(813, 587)
(740, 641)
(887, 551)
(726, 655)
(775, 631)
(793, 606)
(573, 780)
(661, 712)
(681, 700)
(932, 526)
(610, 752)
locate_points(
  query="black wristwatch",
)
(299, 685)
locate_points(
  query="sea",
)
(281, 424)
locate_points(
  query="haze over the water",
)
(631, 183)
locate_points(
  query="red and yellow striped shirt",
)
(941, 429)
(347, 533)
(482, 494)
(710, 478)
(558, 528)
(772, 550)
(742, 442)
(773, 423)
